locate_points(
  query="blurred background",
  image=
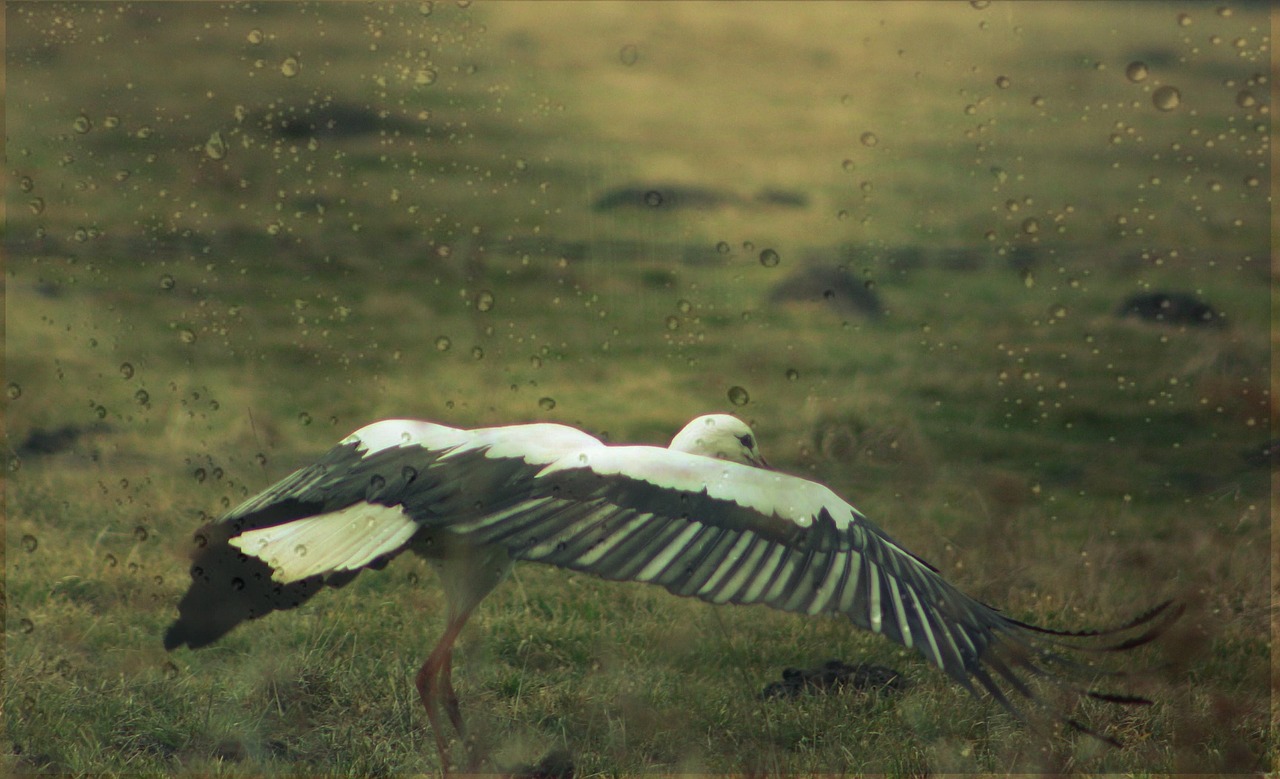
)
(999, 273)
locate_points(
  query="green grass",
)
(210, 324)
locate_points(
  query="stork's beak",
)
(759, 462)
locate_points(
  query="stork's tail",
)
(229, 587)
(307, 553)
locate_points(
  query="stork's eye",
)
(747, 441)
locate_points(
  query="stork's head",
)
(720, 436)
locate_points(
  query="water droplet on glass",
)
(140, 533)
(1031, 225)
(425, 77)
(484, 300)
(848, 166)
(29, 542)
(684, 306)
(1251, 181)
(300, 550)
(673, 323)
(546, 404)
(653, 198)
(101, 411)
(769, 258)
(722, 247)
(255, 36)
(237, 583)
(290, 67)
(535, 361)
(738, 396)
(1003, 82)
(82, 124)
(200, 474)
(869, 139)
(126, 370)
(1245, 99)
(170, 670)
(13, 390)
(26, 184)
(443, 343)
(629, 54)
(144, 132)
(37, 205)
(215, 147)
(142, 397)
(1166, 98)
(110, 560)
(186, 336)
(304, 418)
(792, 374)
(1058, 311)
(1137, 71)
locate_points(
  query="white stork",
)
(704, 517)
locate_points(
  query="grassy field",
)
(235, 233)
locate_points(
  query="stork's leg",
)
(434, 679)
(450, 697)
(455, 713)
(468, 573)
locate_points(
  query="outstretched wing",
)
(730, 533)
(357, 507)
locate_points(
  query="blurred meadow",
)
(238, 231)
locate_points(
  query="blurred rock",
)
(1172, 308)
(557, 764)
(43, 441)
(335, 120)
(782, 197)
(664, 197)
(833, 285)
(671, 197)
(835, 675)
(1265, 455)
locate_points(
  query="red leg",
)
(450, 697)
(434, 679)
